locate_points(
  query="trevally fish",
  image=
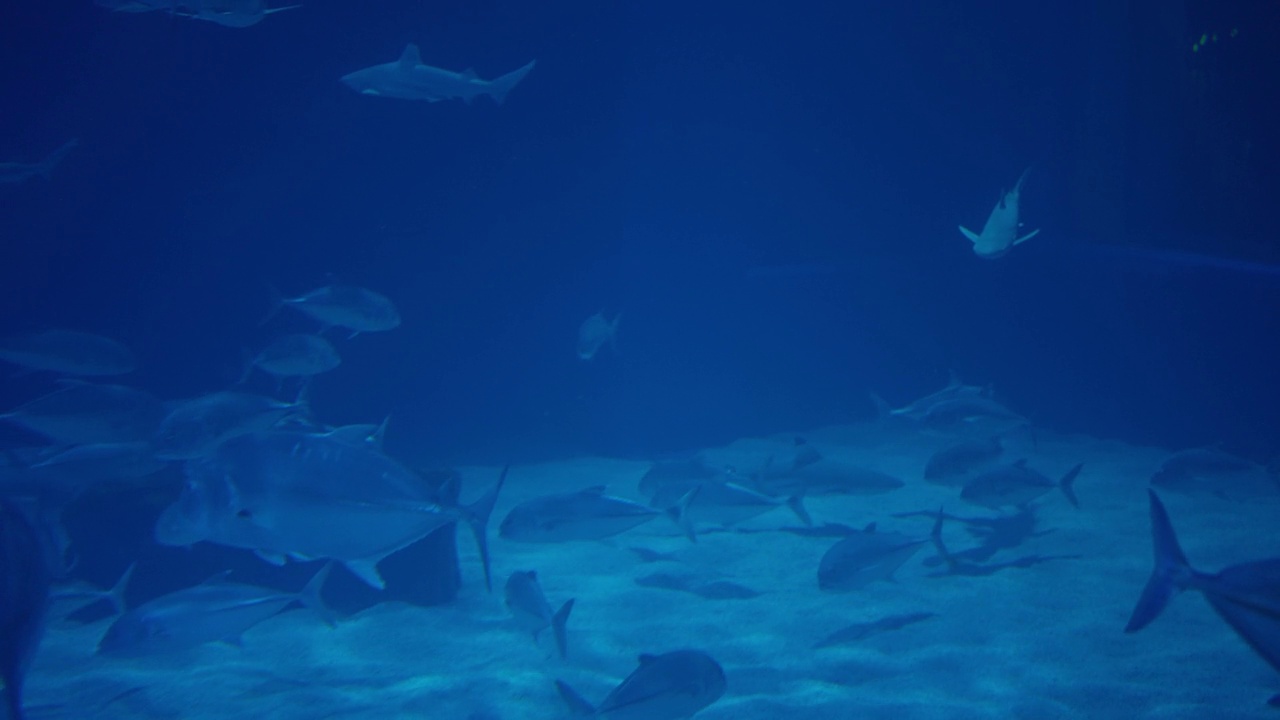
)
(861, 631)
(529, 606)
(671, 686)
(1015, 485)
(25, 577)
(1214, 472)
(865, 557)
(594, 332)
(68, 352)
(16, 172)
(209, 612)
(197, 427)
(408, 79)
(1000, 233)
(346, 306)
(296, 495)
(587, 514)
(80, 412)
(725, 503)
(954, 464)
(681, 474)
(295, 355)
(1246, 596)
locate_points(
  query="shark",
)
(408, 79)
(16, 172)
(231, 13)
(1000, 233)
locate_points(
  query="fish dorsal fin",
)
(870, 528)
(410, 58)
(646, 658)
(470, 74)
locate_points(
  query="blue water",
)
(768, 194)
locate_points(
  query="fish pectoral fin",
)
(275, 558)
(1027, 237)
(973, 237)
(366, 570)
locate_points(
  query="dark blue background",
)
(768, 192)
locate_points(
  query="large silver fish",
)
(671, 686)
(210, 612)
(865, 557)
(80, 412)
(304, 496)
(1015, 485)
(346, 306)
(69, 352)
(587, 514)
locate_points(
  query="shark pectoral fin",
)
(410, 58)
(1027, 237)
(973, 237)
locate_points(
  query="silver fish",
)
(346, 306)
(303, 496)
(531, 610)
(726, 503)
(210, 612)
(583, 515)
(197, 427)
(69, 352)
(1015, 485)
(1211, 471)
(594, 332)
(671, 686)
(80, 412)
(295, 355)
(864, 557)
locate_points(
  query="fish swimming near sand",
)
(1246, 596)
(865, 557)
(671, 686)
(1211, 471)
(1017, 484)
(587, 514)
(529, 606)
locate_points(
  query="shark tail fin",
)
(54, 158)
(1170, 574)
(499, 87)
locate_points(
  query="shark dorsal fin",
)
(410, 58)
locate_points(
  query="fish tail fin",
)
(883, 409)
(578, 705)
(679, 514)
(1170, 573)
(1067, 485)
(115, 595)
(310, 597)
(796, 503)
(54, 158)
(935, 536)
(557, 627)
(500, 86)
(477, 516)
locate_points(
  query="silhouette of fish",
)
(1246, 596)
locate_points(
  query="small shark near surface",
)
(1246, 596)
(407, 78)
(1000, 233)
